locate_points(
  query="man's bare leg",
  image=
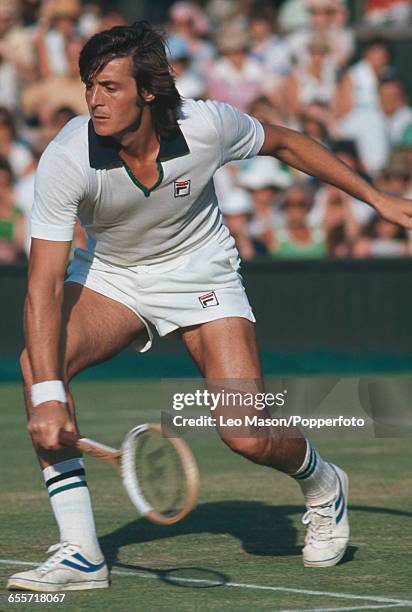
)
(225, 350)
(94, 328)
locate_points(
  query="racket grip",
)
(68, 438)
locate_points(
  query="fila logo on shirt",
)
(182, 188)
(208, 299)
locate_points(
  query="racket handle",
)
(91, 447)
(68, 438)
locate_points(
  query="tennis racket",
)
(159, 473)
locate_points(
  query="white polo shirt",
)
(81, 174)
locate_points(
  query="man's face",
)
(114, 103)
(260, 29)
(391, 97)
(377, 55)
(321, 16)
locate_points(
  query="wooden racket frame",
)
(114, 457)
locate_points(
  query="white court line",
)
(346, 609)
(241, 585)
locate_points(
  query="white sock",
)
(316, 477)
(70, 500)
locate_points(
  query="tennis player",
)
(139, 174)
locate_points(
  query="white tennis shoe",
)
(67, 570)
(327, 527)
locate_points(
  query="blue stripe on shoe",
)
(88, 565)
(340, 498)
(341, 501)
(341, 513)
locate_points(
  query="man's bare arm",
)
(310, 157)
(42, 325)
(42, 312)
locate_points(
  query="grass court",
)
(239, 549)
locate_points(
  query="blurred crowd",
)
(294, 63)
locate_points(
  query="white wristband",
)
(47, 391)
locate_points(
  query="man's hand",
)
(46, 422)
(396, 210)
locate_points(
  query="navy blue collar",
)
(104, 151)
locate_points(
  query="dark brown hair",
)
(146, 48)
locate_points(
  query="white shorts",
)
(193, 288)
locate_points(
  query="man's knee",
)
(256, 448)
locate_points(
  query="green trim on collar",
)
(146, 190)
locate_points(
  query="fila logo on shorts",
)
(182, 188)
(209, 299)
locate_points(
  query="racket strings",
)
(160, 473)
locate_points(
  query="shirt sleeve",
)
(240, 135)
(60, 186)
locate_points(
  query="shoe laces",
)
(60, 550)
(320, 521)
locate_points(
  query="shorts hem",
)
(171, 327)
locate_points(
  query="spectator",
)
(396, 176)
(340, 35)
(338, 220)
(89, 21)
(236, 209)
(394, 104)
(366, 119)
(266, 112)
(42, 98)
(51, 124)
(267, 47)
(382, 239)
(297, 238)
(12, 222)
(358, 88)
(16, 152)
(235, 77)
(327, 18)
(348, 152)
(265, 181)
(189, 83)
(223, 11)
(25, 185)
(358, 107)
(16, 63)
(57, 25)
(188, 22)
(317, 121)
(312, 81)
(293, 15)
(327, 196)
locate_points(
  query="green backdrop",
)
(348, 316)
